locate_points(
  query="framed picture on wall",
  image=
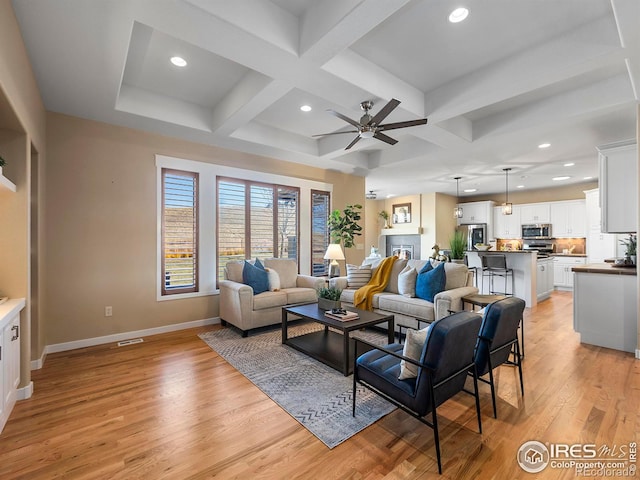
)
(401, 213)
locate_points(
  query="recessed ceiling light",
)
(520, 186)
(458, 15)
(557, 179)
(391, 195)
(587, 178)
(305, 108)
(544, 145)
(570, 164)
(470, 190)
(179, 61)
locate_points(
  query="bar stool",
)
(472, 269)
(495, 265)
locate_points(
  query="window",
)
(320, 211)
(256, 220)
(179, 272)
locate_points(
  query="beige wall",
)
(101, 226)
(555, 194)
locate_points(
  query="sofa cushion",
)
(407, 282)
(430, 282)
(269, 300)
(287, 270)
(300, 295)
(410, 307)
(358, 276)
(456, 274)
(398, 266)
(274, 280)
(413, 345)
(257, 278)
(233, 270)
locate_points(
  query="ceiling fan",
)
(369, 126)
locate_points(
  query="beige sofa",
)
(459, 282)
(246, 311)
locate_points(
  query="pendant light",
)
(457, 212)
(507, 208)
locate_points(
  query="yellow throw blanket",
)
(363, 297)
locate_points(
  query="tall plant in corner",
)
(344, 225)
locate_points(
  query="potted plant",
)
(457, 245)
(385, 216)
(329, 297)
(631, 243)
(344, 225)
(2, 164)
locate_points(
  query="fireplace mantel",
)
(402, 231)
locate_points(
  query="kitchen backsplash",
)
(577, 246)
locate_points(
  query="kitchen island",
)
(605, 306)
(524, 265)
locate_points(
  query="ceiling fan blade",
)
(385, 138)
(386, 110)
(355, 140)
(410, 123)
(346, 119)
(334, 133)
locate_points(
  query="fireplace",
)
(405, 246)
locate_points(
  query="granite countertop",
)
(605, 268)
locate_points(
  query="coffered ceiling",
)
(513, 75)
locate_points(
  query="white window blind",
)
(179, 232)
(320, 211)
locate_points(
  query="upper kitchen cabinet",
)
(569, 219)
(619, 187)
(476, 212)
(535, 213)
(507, 226)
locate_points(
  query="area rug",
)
(317, 396)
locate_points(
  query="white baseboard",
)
(25, 392)
(117, 337)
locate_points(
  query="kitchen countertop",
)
(568, 254)
(606, 268)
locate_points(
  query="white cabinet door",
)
(475, 212)
(11, 354)
(619, 187)
(569, 219)
(535, 213)
(3, 354)
(507, 226)
(562, 270)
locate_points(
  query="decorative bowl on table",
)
(482, 247)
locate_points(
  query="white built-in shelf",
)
(401, 231)
(6, 183)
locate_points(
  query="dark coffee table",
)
(330, 347)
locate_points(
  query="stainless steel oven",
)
(537, 231)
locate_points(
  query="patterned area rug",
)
(317, 396)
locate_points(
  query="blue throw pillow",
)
(258, 264)
(256, 278)
(430, 282)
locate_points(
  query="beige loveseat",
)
(459, 282)
(241, 308)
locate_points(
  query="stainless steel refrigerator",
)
(475, 233)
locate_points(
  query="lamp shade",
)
(334, 252)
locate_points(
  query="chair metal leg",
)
(519, 363)
(355, 377)
(477, 395)
(493, 388)
(436, 437)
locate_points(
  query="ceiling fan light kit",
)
(371, 195)
(370, 127)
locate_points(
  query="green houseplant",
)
(328, 297)
(457, 245)
(631, 243)
(344, 225)
(385, 216)
(2, 164)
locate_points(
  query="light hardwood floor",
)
(172, 408)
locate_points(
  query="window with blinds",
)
(320, 211)
(179, 232)
(256, 220)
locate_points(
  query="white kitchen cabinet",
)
(544, 278)
(600, 246)
(476, 212)
(562, 273)
(532, 213)
(619, 187)
(568, 219)
(9, 356)
(507, 226)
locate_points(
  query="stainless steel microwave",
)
(538, 231)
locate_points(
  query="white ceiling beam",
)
(266, 135)
(627, 15)
(580, 51)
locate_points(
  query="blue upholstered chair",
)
(498, 339)
(446, 357)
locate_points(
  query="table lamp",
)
(334, 253)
